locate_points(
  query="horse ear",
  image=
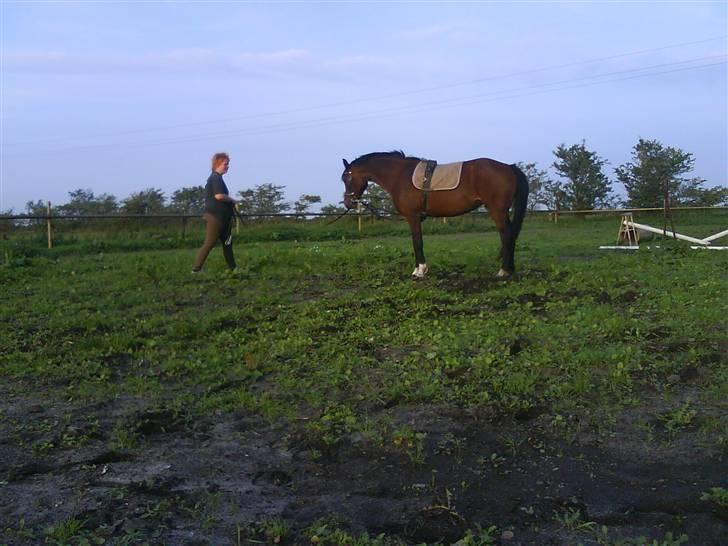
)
(346, 163)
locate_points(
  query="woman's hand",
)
(225, 198)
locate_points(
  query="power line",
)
(369, 115)
(380, 97)
(422, 107)
(439, 104)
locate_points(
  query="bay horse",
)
(483, 181)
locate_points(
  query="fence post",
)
(50, 229)
(358, 213)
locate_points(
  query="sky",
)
(119, 97)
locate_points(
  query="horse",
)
(483, 181)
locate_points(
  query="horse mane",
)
(394, 154)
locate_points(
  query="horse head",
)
(355, 182)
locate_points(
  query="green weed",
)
(679, 418)
(717, 495)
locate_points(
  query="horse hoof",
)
(503, 275)
(420, 271)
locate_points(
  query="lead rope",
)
(340, 216)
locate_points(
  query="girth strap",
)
(429, 169)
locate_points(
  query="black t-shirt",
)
(221, 209)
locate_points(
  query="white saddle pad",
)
(445, 177)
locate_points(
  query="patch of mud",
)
(457, 280)
(213, 480)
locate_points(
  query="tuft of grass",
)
(122, 437)
(717, 495)
(679, 418)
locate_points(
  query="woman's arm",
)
(223, 197)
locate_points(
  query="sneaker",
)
(196, 271)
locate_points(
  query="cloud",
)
(425, 32)
(185, 59)
(292, 63)
(277, 56)
(358, 62)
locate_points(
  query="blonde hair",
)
(218, 158)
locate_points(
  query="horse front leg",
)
(421, 268)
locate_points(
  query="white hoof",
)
(420, 271)
(502, 274)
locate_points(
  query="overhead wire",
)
(66, 139)
(565, 84)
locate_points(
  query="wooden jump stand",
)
(627, 232)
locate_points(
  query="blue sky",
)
(122, 96)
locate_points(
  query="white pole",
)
(620, 247)
(710, 247)
(668, 232)
(716, 236)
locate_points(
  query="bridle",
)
(347, 180)
(358, 200)
(351, 194)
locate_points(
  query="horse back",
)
(493, 181)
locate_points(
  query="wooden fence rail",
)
(553, 215)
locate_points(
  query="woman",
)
(218, 214)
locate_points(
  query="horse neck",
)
(386, 172)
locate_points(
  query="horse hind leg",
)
(508, 243)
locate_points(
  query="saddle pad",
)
(445, 177)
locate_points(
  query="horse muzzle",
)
(350, 200)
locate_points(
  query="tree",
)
(332, 209)
(586, 187)
(379, 200)
(304, 203)
(147, 201)
(36, 208)
(246, 202)
(694, 196)
(188, 200)
(8, 225)
(84, 202)
(541, 189)
(263, 199)
(654, 165)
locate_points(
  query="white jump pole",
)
(716, 236)
(620, 247)
(709, 247)
(668, 232)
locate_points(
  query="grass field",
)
(319, 396)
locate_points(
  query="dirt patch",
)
(212, 480)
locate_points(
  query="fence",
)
(359, 213)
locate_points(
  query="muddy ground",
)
(218, 480)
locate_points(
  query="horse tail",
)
(520, 201)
